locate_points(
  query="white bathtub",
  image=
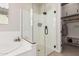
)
(9, 47)
(26, 49)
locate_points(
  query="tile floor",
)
(68, 50)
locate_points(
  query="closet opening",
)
(70, 29)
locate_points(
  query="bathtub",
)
(25, 49)
(10, 47)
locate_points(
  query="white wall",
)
(13, 24)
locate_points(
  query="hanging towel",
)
(64, 29)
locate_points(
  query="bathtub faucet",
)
(17, 40)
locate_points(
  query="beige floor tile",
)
(68, 50)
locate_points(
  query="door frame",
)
(58, 31)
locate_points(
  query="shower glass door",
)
(26, 24)
(41, 48)
(38, 30)
(46, 30)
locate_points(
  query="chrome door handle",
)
(46, 30)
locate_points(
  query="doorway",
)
(70, 31)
